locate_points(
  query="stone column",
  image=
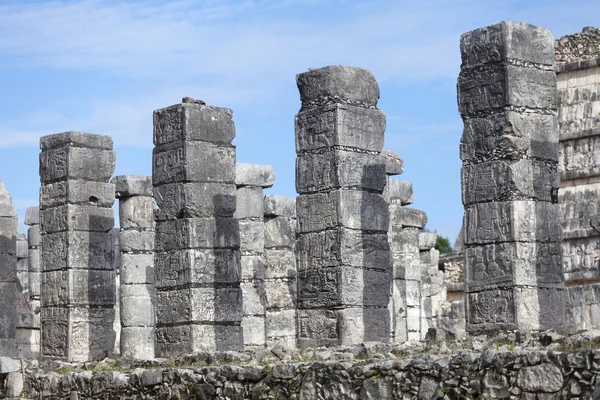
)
(507, 98)
(32, 219)
(76, 217)
(432, 283)
(8, 274)
(137, 290)
(251, 179)
(344, 268)
(23, 263)
(280, 270)
(199, 299)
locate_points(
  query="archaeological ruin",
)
(208, 288)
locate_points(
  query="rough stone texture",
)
(507, 99)
(280, 271)
(578, 46)
(194, 187)
(32, 218)
(8, 274)
(78, 276)
(340, 176)
(137, 290)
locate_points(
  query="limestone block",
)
(430, 257)
(408, 217)
(580, 258)
(507, 40)
(427, 240)
(578, 206)
(342, 208)
(512, 221)
(195, 199)
(193, 122)
(343, 286)
(280, 264)
(578, 158)
(79, 249)
(8, 235)
(182, 268)
(137, 343)
(81, 287)
(394, 165)
(249, 202)
(8, 269)
(340, 125)
(281, 323)
(343, 247)
(137, 268)
(253, 267)
(135, 241)
(279, 232)
(35, 284)
(254, 298)
(357, 85)
(137, 305)
(412, 293)
(277, 205)
(280, 294)
(33, 237)
(8, 365)
(338, 169)
(132, 185)
(76, 163)
(32, 216)
(76, 139)
(254, 175)
(413, 321)
(77, 218)
(407, 266)
(6, 207)
(254, 331)
(205, 304)
(8, 315)
(201, 233)
(187, 339)
(503, 180)
(510, 134)
(399, 192)
(520, 263)
(193, 162)
(252, 236)
(77, 192)
(136, 212)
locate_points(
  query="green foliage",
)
(442, 244)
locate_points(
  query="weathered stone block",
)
(280, 264)
(339, 169)
(281, 323)
(342, 208)
(76, 139)
(254, 331)
(195, 199)
(79, 249)
(279, 232)
(399, 192)
(137, 305)
(33, 237)
(504, 180)
(254, 175)
(249, 202)
(394, 165)
(8, 235)
(280, 294)
(22, 249)
(34, 260)
(343, 286)
(340, 125)
(137, 343)
(407, 266)
(136, 241)
(343, 247)
(32, 216)
(252, 236)
(253, 267)
(78, 287)
(430, 257)
(77, 192)
(136, 212)
(199, 305)
(512, 221)
(357, 85)
(577, 207)
(191, 267)
(193, 162)
(8, 268)
(253, 298)
(408, 217)
(200, 233)
(76, 163)
(193, 122)
(187, 339)
(132, 185)
(77, 218)
(276, 205)
(35, 284)
(137, 268)
(8, 315)
(427, 240)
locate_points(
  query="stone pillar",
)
(507, 98)
(137, 290)
(8, 274)
(433, 289)
(251, 179)
(199, 299)
(76, 217)
(23, 263)
(344, 268)
(280, 270)
(32, 219)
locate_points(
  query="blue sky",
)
(104, 66)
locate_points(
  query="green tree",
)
(442, 244)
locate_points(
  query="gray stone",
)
(14, 385)
(279, 232)
(76, 218)
(79, 192)
(137, 305)
(132, 185)
(427, 240)
(93, 250)
(399, 192)
(134, 241)
(76, 139)
(137, 268)
(197, 233)
(338, 82)
(276, 205)
(394, 165)
(254, 175)
(249, 202)
(76, 163)
(8, 365)
(6, 207)
(137, 343)
(32, 216)
(197, 267)
(545, 377)
(137, 212)
(409, 217)
(252, 236)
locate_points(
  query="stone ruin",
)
(204, 265)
